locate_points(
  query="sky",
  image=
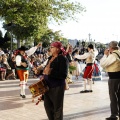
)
(101, 20)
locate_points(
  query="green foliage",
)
(50, 36)
(30, 18)
(64, 41)
(8, 45)
(7, 37)
(72, 68)
(4, 39)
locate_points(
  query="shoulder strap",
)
(117, 54)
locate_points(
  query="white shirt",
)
(31, 51)
(107, 60)
(28, 52)
(86, 55)
(44, 63)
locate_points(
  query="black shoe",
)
(20, 95)
(23, 96)
(84, 91)
(90, 90)
(112, 118)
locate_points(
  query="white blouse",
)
(28, 52)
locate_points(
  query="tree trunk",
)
(18, 43)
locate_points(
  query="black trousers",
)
(114, 93)
(53, 103)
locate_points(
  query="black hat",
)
(23, 48)
(91, 46)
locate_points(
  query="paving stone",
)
(77, 106)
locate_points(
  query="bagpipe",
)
(37, 71)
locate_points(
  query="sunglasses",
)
(52, 47)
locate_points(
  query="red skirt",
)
(88, 72)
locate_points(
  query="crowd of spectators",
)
(8, 65)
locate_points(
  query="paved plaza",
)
(77, 106)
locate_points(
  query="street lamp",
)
(89, 35)
(11, 44)
(83, 45)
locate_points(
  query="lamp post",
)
(83, 45)
(89, 35)
(11, 44)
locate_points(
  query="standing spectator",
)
(12, 64)
(111, 63)
(6, 50)
(9, 72)
(55, 74)
(2, 69)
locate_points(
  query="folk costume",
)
(22, 66)
(111, 63)
(55, 74)
(96, 76)
(76, 61)
(90, 59)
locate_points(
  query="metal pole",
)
(89, 38)
(11, 44)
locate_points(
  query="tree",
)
(30, 18)
(51, 36)
(7, 37)
(1, 39)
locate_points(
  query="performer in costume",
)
(22, 66)
(55, 74)
(90, 59)
(96, 76)
(77, 64)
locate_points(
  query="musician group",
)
(55, 72)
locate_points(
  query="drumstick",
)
(39, 99)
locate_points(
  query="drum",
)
(38, 88)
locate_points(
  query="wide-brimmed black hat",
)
(23, 48)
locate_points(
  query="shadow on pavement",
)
(85, 114)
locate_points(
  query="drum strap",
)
(117, 54)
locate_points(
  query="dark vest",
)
(23, 59)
